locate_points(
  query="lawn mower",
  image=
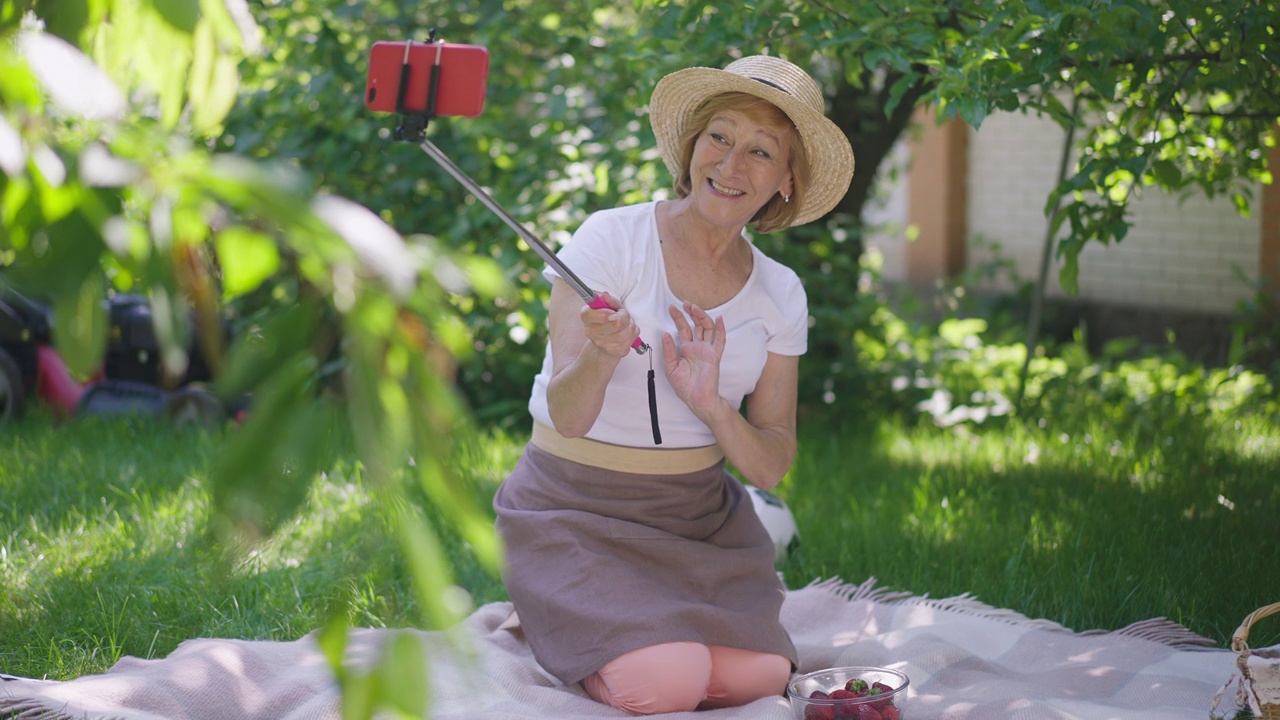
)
(130, 380)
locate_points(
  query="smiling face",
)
(738, 164)
(741, 162)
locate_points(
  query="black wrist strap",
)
(653, 405)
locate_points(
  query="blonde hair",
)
(776, 213)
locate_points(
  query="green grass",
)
(103, 552)
(1084, 529)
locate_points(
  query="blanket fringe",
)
(965, 603)
(866, 591)
(1159, 630)
(1163, 631)
(970, 605)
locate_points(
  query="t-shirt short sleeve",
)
(791, 336)
(598, 255)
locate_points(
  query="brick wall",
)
(1189, 253)
(885, 216)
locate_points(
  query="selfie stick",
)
(413, 131)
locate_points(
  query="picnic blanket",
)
(966, 661)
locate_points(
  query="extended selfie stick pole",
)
(592, 298)
(413, 129)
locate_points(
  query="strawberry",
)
(844, 709)
(818, 695)
(868, 712)
(877, 689)
(820, 712)
(889, 713)
(857, 686)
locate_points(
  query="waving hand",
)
(693, 358)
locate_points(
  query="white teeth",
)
(727, 191)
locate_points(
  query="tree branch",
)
(1239, 115)
(832, 11)
(1069, 62)
(1190, 33)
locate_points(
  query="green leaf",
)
(1103, 80)
(1167, 172)
(15, 202)
(360, 696)
(1069, 275)
(19, 87)
(973, 110)
(898, 90)
(163, 60)
(485, 275)
(1051, 105)
(602, 178)
(429, 567)
(954, 331)
(404, 670)
(263, 475)
(182, 15)
(11, 13)
(65, 18)
(332, 640)
(254, 356)
(80, 325)
(247, 258)
(237, 32)
(213, 82)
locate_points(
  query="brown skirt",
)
(601, 562)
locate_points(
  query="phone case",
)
(464, 75)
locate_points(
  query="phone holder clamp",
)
(413, 126)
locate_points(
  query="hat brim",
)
(679, 95)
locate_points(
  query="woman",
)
(641, 571)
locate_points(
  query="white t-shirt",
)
(619, 251)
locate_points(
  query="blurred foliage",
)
(1255, 332)
(109, 184)
(961, 372)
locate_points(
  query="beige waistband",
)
(623, 458)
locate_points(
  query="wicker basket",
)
(1259, 676)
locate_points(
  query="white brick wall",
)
(1191, 254)
(885, 215)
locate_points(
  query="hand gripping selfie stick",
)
(413, 129)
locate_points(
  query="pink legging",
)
(682, 676)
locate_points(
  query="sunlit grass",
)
(1081, 528)
(103, 551)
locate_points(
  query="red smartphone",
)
(464, 74)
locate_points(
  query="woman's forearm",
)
(575, 394)
(763, 455)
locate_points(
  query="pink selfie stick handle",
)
(599, 303)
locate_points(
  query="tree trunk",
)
(860, 114)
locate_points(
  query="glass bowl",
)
(887, 705)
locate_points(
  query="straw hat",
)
(681, 93)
